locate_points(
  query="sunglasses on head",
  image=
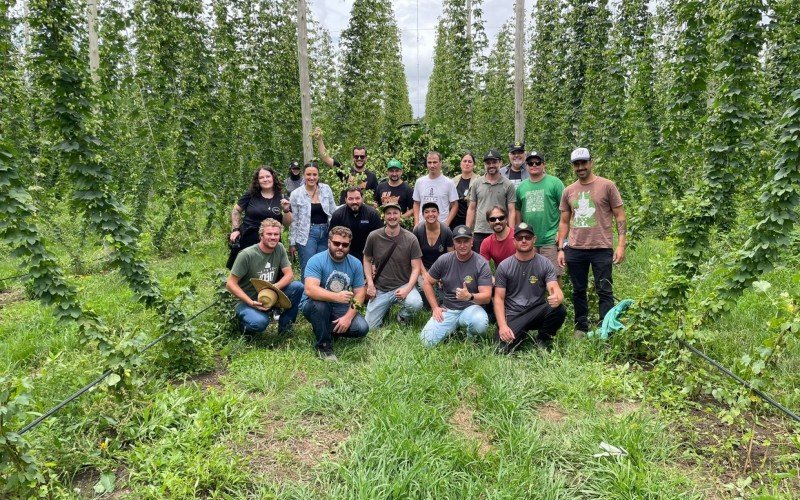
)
(534, 162)
(523, 237)
(359, 157)
(499, 218)
(342, 244)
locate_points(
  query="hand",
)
(506, 335)
(344, 297)
(560, 258)
(555, 300)
(316, 133)
(438, 314)
(258, 305)
(402, 293)
(463, 293)
(285, 204)
(371, 292)
(619, 255)
(234, 235)
(342, 324)
(292, 252)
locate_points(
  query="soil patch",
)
(552, 413)
(12, 295)
(620, 408)
(285, 450)
(210, 380)
(84, 481)
(463, 420)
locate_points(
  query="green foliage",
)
(19, 474)
(493, 125)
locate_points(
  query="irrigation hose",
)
(52, 411)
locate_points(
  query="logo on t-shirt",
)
(468, 279)
(337, 282)
(268, 273)
(533, 280)
(534, 201)
(584, 210)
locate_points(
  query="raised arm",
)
(323, 151)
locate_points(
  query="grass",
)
(391, 418)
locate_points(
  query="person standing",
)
(395, 190)
(312, 207)
(361, 219)
(520, 305)
(436, 188)
(538, 199)
(490, 190)
(359, 175)
(467, 283)
(334, 290)
(295, 179)
(500, 244)
(435, 239)
(585, 236)
(392, 264)
(514, 170)
(266, 261)
(464, 183)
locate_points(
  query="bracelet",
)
(236, 229)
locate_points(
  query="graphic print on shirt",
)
(431, 196)
(584, 211)
(337, 282)
(386, 197)
(534, 201)
(468, 279)
(533, 280)
(268, 273)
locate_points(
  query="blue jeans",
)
(474, 319)
(317, 242)
(252, 321)
(321, 315)
(379, 306)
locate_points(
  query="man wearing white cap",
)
(585, 236)
(266, 261)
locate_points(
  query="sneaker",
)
(401, 320)
(503, 349)
(325, 353)
(579, 334)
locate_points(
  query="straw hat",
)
(270, 296)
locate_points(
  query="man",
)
(359, 218)
(334, 292)
(516, 159)
(436, 188)
(519, 295)
(392, 264)
(295, 179)
(490, 190)
(359, 175)
(467, 283)
(587, 207)
(265, 261)
(537, 202)
(395, 190)
(500, 244)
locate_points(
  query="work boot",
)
(325, 353)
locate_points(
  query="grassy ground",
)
(391, 418)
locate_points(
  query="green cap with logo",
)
(394, 163)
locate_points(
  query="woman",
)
(464, 183)
(435, 239)
(262, 201)
(312, 205)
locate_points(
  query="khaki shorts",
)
(551, 252)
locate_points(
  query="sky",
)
(417, 44)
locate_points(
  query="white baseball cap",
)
(580, 154)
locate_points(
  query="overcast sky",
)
(417, 44)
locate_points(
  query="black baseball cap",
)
(524, 227)
(493, 154)
(516, 146)
(462, 232)
(294, 164)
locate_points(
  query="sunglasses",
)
(497, 219)
(534, 162)
(359, 157)
(342, 244)
(523, 237)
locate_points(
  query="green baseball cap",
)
(393, 163)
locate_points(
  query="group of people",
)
(355, 262)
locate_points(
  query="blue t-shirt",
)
(335, 276)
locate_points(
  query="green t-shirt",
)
(538, 202)
(253, 263)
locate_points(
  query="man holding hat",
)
(520, 305)
(587, 207)
(361, 219)
(490, 190)
(467, 283)
(514, 171)
(295, 179)
(537, 202)
(392, 264)
(395, 190)
(268, 264)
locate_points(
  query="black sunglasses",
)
(342, 244)
(534, 162)
(497, 219)
(523, 237)
(359, 157)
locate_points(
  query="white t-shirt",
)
(440, 190)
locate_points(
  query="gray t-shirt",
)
(397, 271)
(440, 190)
(525, 281)
(487, 195)
(253, 263)
(453, 273)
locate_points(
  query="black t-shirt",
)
(432, 252)
(462, 188)
(514, 176)
(318, 215)
(403, 195)
(361, 224)
(370, 183)
(257, 208)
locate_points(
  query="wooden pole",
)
(94, 50)
(305, 86)
(519, 72)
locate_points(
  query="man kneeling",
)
(334, 291)
(519, 301)
(467, 282)
(266, 261)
